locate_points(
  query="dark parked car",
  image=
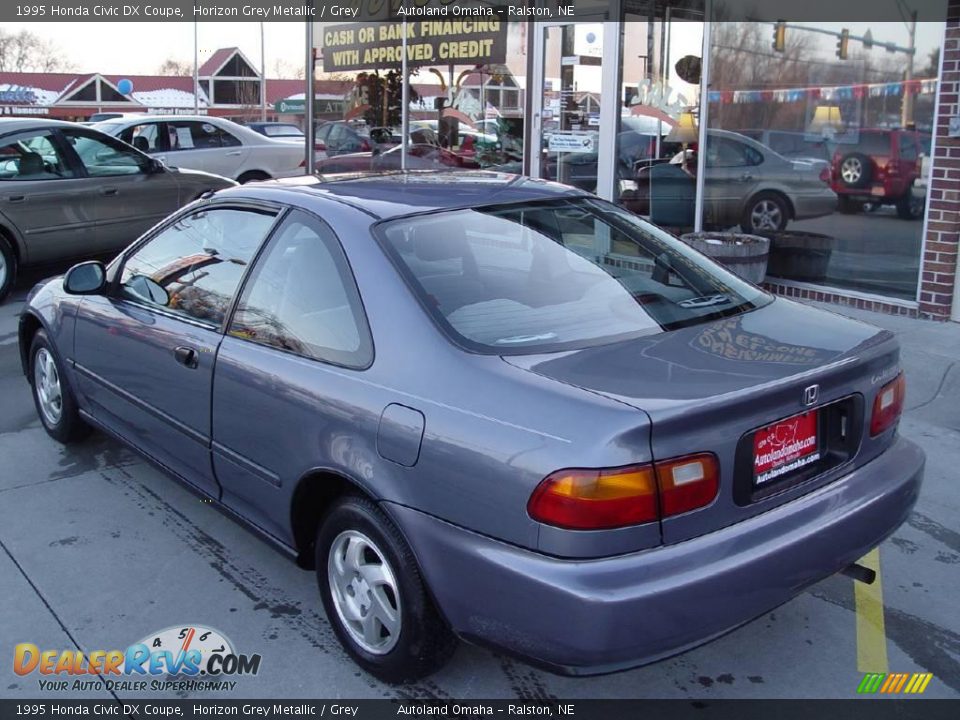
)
(879, 167)
(68, 191)
(609, 449)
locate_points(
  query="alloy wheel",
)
(851, 170)
(766, 215)
(364, 591)
(3, 270)
(46, 383)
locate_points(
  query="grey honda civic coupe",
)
(486, 407)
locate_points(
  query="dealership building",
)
(838, 141)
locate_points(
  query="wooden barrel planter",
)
(800, 255)
(742, 254)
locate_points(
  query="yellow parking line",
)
(871, 634)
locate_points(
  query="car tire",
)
(52, 395)
(908, 206)
(8, 268)
(849, 206)
(855, 170)
(415, 641)
(252, 176)
(765, 212)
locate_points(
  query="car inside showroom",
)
(466, 357)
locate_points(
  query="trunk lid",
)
(711, 386)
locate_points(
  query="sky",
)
(139, 48)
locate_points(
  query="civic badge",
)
(811, 395)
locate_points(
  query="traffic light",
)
(779, 36)
(842, 43)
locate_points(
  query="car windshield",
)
(557, 275)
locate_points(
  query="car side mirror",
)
(87, 278)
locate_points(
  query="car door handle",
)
(187, 356)
(233, 153)
(108, 191)
(746, 177)
(16, 198)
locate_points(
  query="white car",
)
(211, 144)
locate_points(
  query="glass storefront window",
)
(466, 95)
(659, 94)
(817, 139)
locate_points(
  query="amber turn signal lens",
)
(596, 499)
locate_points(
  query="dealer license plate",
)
(785, 447)
(877, 190)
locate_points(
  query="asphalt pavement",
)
(99, 549)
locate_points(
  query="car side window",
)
(908, 150)
(103, 156)
(193, 267)
(195, 135)
(302, 298)
(227, 139)
(145, 138)
(722, 152)
(32, 157)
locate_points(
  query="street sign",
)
(297, 106)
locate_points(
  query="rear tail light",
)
(888, 405)
(687, 483)
(320, 147)
(617, 497)
(825, 174)
(596, 499)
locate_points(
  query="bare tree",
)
(284, 69)
(176, 68)
(25, 51)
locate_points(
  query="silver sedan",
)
(70, 192)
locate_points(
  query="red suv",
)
(879, 168)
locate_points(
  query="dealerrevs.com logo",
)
(186, 657)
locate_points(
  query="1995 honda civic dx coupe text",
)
(486, 407)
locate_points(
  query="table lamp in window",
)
(826, 121)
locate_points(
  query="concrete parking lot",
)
(98, 549)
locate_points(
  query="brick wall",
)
(939, 264)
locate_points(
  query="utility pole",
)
(907, 116)
(263, 77)
(196, 72)
(308, 107)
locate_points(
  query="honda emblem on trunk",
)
(811, 395)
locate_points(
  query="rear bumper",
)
(596, 616)
(814, 205)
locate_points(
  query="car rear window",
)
(868, 143)
(545, 276)
(282, 131)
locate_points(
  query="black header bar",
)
(53, 708)
(503, 10)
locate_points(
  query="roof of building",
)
(216, 61)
